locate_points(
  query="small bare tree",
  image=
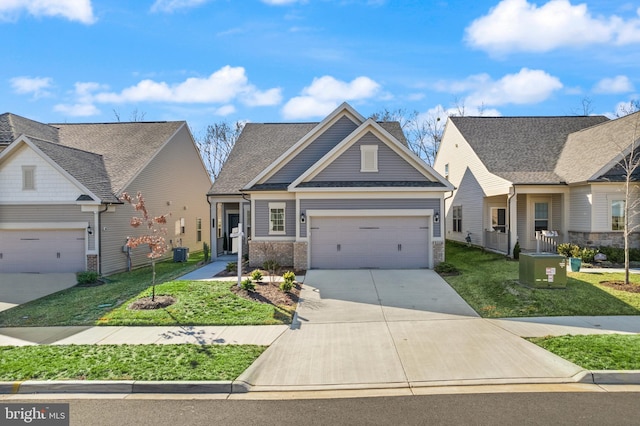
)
(216, 144)
(154, 239)
(134, 116)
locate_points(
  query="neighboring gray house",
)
(342, 193)
(60, 186)
(518, 175)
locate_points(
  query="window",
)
(446, 171)
(368, 158)
(28, 178)
(198, 230)
(617, 215)
(276, 218)
(499, 219)
(541, 216)
(457, 218)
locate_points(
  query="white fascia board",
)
(271, 195)
(343, 110)
(24, 139)
(372, 189)
(327, 195)
(369, 212)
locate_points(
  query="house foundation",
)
(608, 239)
(261, 251)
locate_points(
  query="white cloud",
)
(225, 110)
(73, 10)
(77, 110)
(36, 86)
(223, 86)
(525, 87)
(326, 93)
(517, 25)
(617, 84)
(169, 6)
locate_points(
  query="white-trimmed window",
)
(457, 218)
(198, 229)
(277, 218)
(368, 158)
(28, 178)
(541, 216)
(617, 215)
(499, 219)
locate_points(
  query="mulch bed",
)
(267, 292)
(158, 303)
(620, 285)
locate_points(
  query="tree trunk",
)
(153, 280)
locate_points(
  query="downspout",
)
(444, 219)
(99, 231)
(211, 231)
(509, 219)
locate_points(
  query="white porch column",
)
(513, 221)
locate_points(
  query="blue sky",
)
(205, 61)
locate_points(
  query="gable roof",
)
(260, 145)
(594, 153)
(430, 178)
(126, 148)
(12, 126)
(522, 149)
(86, 167)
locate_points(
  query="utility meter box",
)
(543, 270)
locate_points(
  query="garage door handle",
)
(338, 247)
(58, 255)
(399, 247)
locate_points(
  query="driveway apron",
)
(395, 328)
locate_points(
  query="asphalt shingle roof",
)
(588, 151)
(12, 126)
(86, 167)
(522, 149)
(125, 147)
(260, 144)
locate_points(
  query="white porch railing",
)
(546, 241)
(498, 241)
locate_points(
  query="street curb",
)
(121, 386)
(612, 377)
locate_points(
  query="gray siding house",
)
(60, 186)
(517, 176)
(342, 193)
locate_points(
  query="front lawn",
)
(489, 283)
(199, 303)
(596, 352)
(126, 362)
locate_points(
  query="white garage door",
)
(42, 251)
(369, 242)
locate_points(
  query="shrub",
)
(575, 251)
(565, 249)
(271, 266)
(232, 266)
(516, 251)
(289, 276)
(87, 277)
(588, 254)
(286, 286)
(205, 250)
(248, 285)
(445, 268)
(256, 275)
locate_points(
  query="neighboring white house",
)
(342, 193)
(60, 186)
(518, 175)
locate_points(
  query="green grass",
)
(126, 362)
(596, 352)
(199, 303)
(489, 283)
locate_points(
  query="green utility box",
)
(543, 270)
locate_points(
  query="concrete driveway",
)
(402, 328)
(16, 289)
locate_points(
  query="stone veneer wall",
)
(300, 256)
(438, 252)
(607, 239)
(281, 252)
(92, 262)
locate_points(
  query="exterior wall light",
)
(436, 218)
(303, 218)
(89, 230)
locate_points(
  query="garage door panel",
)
(42, 251)
(369, 242)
